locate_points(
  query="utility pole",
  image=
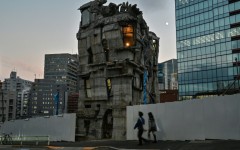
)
(3, 118)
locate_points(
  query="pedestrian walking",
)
(152, 127)
(139, 124)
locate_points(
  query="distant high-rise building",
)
(44, 99)
(18, 86)
(208, 47)
(167, 75)
(49, 96)
(22, 104)
(7, 105)
(160, 76)
(1, 84)
(63, 69)
(15, 83)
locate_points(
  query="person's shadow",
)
(160, 132)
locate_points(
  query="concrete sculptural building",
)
(118, 58)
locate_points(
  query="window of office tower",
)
(207, 43)
(128, 35)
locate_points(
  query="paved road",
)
(162, 145)
(123, 145)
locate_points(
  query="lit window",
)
(88, 88)
(109, 87)
(154, 44)
(128, 36)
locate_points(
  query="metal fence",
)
(21, 139)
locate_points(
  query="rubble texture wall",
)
(115, 49)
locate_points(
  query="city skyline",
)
(31, 29)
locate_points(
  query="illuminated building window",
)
(109, 87)
(88, 88)
(128, 36)
(155, 45)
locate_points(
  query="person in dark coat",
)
(139, 124)
(152, 127)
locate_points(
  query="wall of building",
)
(210, 118)
(1, 84)
(72, 104)
(7, 105)
(59, 128)
(15, 83)
(22, 103)
(207, 47)
(116, 53)
(167, 75)
(62, 68)
(168, 96)
(42, 100)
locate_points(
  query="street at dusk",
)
(118, 75)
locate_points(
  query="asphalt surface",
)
(133, 145)
(162, 145)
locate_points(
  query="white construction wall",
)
(59, 128)
(210, 118)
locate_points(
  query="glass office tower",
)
(208, 47)
(62, 68)
(167, 75)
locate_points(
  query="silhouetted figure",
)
(139, 124)
(152, 127)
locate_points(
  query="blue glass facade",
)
(208, 46)
(160, 74)
(167, 74)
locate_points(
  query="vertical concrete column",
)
(119, 124)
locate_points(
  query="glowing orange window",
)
(128, 36)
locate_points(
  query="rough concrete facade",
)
(118, 58)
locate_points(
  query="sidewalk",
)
(132, 145)
(162, 145)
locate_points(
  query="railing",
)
(23, 139)
(230, 85)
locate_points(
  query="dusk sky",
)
(29, 29)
